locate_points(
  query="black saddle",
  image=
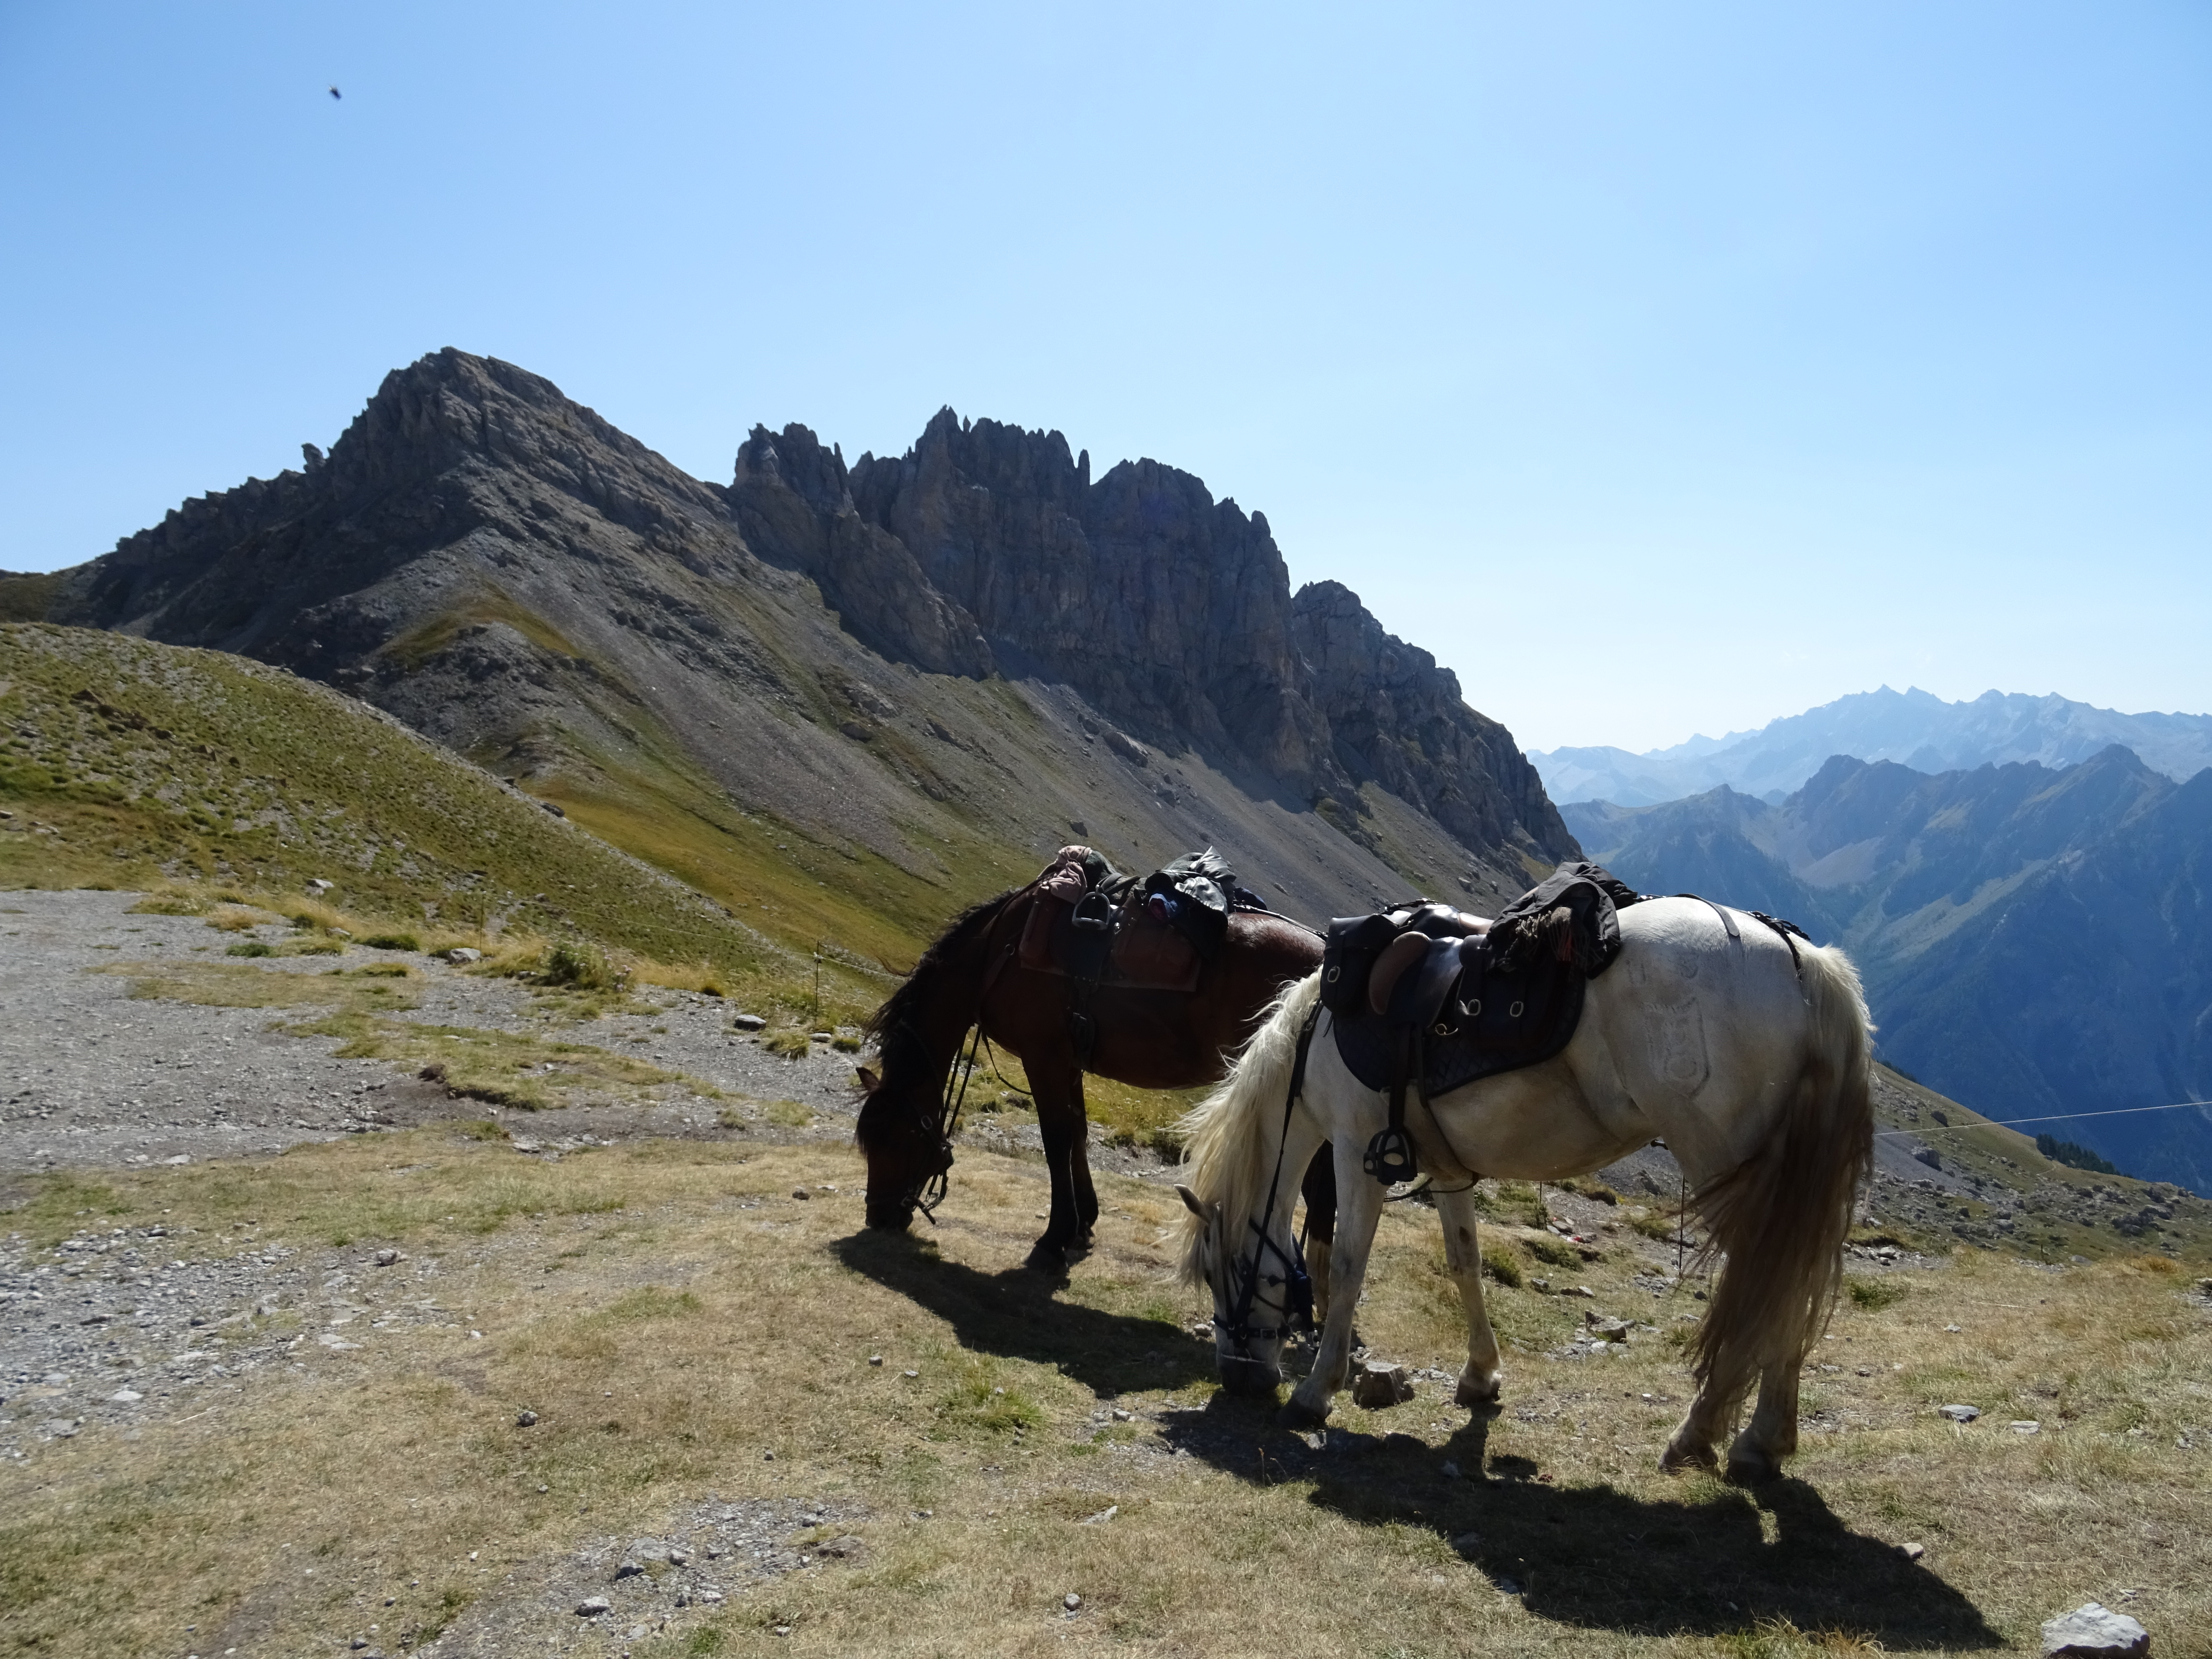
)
(1463, 1018)
(1418, 999)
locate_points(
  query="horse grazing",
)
(1751, 1060)
(973, 975)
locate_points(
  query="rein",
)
(929, 1192)
(1296, 1311)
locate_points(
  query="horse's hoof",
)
(1479, 1396)
(1301, 1419)
(1751, 1466)
(1047, 1259)
(1680, 1456)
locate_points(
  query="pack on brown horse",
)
(1147, 1016)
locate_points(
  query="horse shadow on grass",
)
(1017, 1315)
(1701, 1563)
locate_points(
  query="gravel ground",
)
(97, 1079)
(126, 1325)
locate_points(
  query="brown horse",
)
(973, 975)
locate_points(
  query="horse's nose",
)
(1241, 1374)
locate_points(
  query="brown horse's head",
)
(917, 1033)
(900, 1138)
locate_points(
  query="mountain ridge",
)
(1912, 727)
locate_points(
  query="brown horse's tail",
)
(1780, 1219)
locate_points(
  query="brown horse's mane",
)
(907, 1007)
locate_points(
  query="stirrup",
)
(1391, 1157)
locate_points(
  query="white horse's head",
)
(1256, 1285)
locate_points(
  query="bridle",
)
(1251, 1271)
(926, 1192)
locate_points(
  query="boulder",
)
(1960, 1413)
(2094, 1630)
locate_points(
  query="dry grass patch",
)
(222, 985)
(674, 1316)
(502, 1067)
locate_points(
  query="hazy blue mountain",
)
(1912, 728)
(2035, 940)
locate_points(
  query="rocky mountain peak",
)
(474, 529)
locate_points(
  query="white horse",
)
(1752, 1062)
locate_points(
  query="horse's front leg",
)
(1061, 1123)
(1480, 1383)
(1319, 1190)
(1772, 1434)
(1360, 1207)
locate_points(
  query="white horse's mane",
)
(1229, 1141)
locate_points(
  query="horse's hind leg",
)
(1478, 1384)
(1772, 1434)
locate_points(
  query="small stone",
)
(1103, 1517)
(800, 1193)
(1912, 1551)
(1583, 1291)
(767, 1457)
(2093, 1631)
(679, 1557)
(126, 1396)
(1960, 1413)
(461, 955)
(1071, 1600)
(875, 1359)
(592, 1606)
(1121, 1416)
(627, 1569)
(388, 1258)
(543, 1487)
(909, 1373)
(525, 1420)
(358, 1643)
(783, 1630)
(1378, 1386)
(747, 1021)
(2025, 1426)
(1953, 1329)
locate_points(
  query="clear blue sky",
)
(1662, 368)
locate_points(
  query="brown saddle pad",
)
(1148, 955)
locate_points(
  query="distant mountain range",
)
(1912, 728)
(2035, 940)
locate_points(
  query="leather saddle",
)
(1420, 999)
(1094, 940)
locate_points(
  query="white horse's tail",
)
(1229, 1158)
(1781, 1218)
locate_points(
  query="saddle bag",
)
(1348, 953)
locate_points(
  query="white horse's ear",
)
(870, 1079)
(1190, 1202)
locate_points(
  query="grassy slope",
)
(673, 1316)
(128, 764)
(2053, 1230)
